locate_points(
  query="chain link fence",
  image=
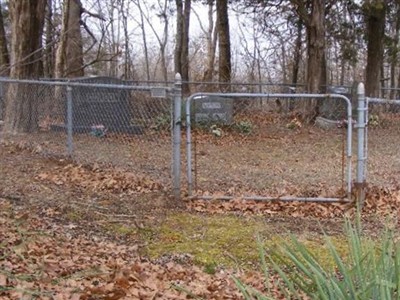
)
(99, 120)
(383, 167)
(254, 145)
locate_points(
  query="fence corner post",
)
(70, 147)
(361, 157)
(177, 121)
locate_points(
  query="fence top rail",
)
(271, 96)
(382, 101)
(81, 84)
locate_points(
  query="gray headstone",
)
(213, 109)
(96, 106)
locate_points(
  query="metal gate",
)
(191, 159)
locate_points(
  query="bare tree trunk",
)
(74, 48)
(164, 41)
(398, 84)
(394, 53)
(163, 14)
(316, 46)
(144, 38)
(61, 49)
(56, 108)
(382, 80)
(48, 63)
(284, 62)
(323, 82)
(224, 44)
(297, 52)
(342, 72)
(182, 42)
(179, 36)
(375, 11)
(115, 37)
(129, 71)
(69, 55)
(4, 55)
(69, 58)
(164, 68)
(21, 107)
(185, 47)
(316, 64)
(212, 37)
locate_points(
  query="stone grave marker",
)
(210, 109)
(108, 109)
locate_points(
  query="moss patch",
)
(228, 240)
(221, 240)
(120, 230)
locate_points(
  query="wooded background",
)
(317, 43)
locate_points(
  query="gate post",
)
(70, 147)
(176, 160)
(361, 140)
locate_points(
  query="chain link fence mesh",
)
(113, 123)
(383, 159)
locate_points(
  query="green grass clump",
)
(370, 270)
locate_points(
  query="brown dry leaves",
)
(379, 201)
(39, 259)
(97, 179)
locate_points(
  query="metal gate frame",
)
(198, 96)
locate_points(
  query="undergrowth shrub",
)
(371, 270)
(244, 127)
(162, 122)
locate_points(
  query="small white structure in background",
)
(327, 123)
(332, 124)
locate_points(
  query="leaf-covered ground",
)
(43, 259)
(69, 231)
